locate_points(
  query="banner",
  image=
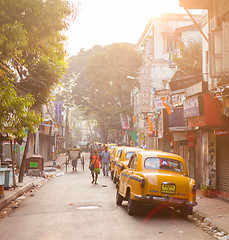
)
(58, 111)
(166, 103)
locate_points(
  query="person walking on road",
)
(96, 161)
(105, 161)
(100, 150)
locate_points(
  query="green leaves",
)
(15, 112)
(190, 59)
(32, 58)
(97, 82)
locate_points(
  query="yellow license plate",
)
(168, 188)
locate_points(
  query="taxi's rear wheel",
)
(119, 198)
(112, 175)
(185, 211)
(131, 206)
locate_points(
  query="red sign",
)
(224, 132)
(122, 133)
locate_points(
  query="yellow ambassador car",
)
(114, 157)
(156, 177)
(110, 147)
(123, 161)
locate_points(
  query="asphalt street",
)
(70, 207)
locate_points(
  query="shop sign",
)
(158, 104)
(193, 107)
(224, 132)
(196, 121)
(184, 83)
(196, 88)
(178, 99)
(145, 94)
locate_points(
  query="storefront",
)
(204, 116)
(222, 154)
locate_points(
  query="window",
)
(119, 154)
(164, 164)
(134, 162)
(128, 155)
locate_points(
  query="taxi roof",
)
(135, 149)
(159, 153)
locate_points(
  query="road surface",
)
(70, 207)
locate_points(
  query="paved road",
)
(70, 207)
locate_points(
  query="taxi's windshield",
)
(164, 164)
(128, 155)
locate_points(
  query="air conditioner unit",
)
(216, 23)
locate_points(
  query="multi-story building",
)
(210, 123)
(155, 73)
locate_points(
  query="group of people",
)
(100, 158)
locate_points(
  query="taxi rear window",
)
(112, 147)
(128, 155)
(164, 164)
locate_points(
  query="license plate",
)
(168, 188)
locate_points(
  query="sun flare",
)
(107, 21)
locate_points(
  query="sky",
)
(103, 22)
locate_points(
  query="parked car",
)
(123, 161)
(111, 147)
(114, 157)
(156, 177)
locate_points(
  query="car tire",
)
(119, 198)
(114, 179)
(112, 176)
(185, 211)
(131, 206)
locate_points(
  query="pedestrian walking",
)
(100, 150)
(94, 166)
(105, 161)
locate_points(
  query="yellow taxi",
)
(114, 157)
(123, 161)
(110, 147)
(156, 177)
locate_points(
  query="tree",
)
(15, 117)
(189, 60)
(32, 55)
(100, 85)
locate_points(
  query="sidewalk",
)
(212, 214)
(30, 182)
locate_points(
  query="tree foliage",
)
(189, 59)
(32, 44)
(32, 59)
(97, 82)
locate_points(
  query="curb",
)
(208, 226)
(5, 202)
